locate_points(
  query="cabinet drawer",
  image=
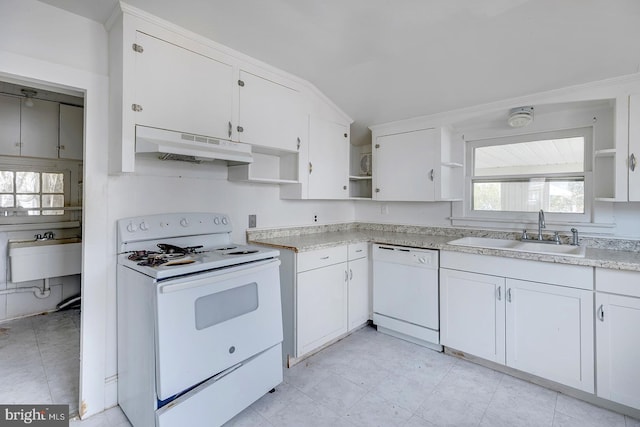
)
(321, 258)
(618, 282)
(358, 250)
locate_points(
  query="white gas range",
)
(199, 320)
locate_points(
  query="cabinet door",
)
(405, 166)
(182, 90)
(71, 132)
(472, 313)
(634, 147)
(618, 348)
(328, 160)
(39, 129)
(359, 294)
(9, 125)
(271, 115)
(549, 332)
(321, 306)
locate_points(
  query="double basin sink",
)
(530, 246)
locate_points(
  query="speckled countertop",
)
(616, 254)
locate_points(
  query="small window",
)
(531, 172)
(29, 193)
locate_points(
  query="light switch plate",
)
(252, 221)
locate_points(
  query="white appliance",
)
(170, 145)
(405, 293)
(199, 320)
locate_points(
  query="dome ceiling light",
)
(520, 117)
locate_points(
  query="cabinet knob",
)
(377, 190)
(310, 167)
(240, 83)
(632, 162)
(136, 107)
(431, 174)
(230, 129)
(344, 187)
(601, 313)
(240, 129)
(298, 145)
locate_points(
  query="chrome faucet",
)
(541, 224)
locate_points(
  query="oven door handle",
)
(200, 281)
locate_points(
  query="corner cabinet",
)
(501, 313)
(328, 165)
(416, 166)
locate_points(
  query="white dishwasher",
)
(405, 294)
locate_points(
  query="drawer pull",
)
(509, 294)
(325, 257)
(601, 313)
(499, 293)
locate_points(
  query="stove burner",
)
(228, 248)
(171, 249)
(243, 252)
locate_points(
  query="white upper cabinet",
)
(71, 132)
(415, 166)
(39, 129)
(328, 159)
(181, 90)
(404, 166)
(271, 115)
(634, 148)
(9, 125)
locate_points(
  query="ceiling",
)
(386, 60)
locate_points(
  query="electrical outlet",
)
(252, 221)
(315, 218)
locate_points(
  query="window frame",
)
(519, 216)
(34, 165)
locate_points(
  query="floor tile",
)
(373, 411)
(520, 403)
(450, 410)
(305, 412)
(416, 421)
(588, 414)
(248, 418)
(336, 393)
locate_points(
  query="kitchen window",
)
(510, 177)
(33, 194)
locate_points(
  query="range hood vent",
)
(172, 145)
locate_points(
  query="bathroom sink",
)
(519, 246)
(41, 259)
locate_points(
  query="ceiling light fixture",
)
(520, 117)
(29, 94)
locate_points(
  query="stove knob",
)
(144, 226)
(131, 227)
(184, 222)
(225, 221)
(216, 221)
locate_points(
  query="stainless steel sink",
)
(518, 246)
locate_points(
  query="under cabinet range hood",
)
(171, 145)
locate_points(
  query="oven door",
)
(211, 321)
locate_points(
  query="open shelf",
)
(268, 167)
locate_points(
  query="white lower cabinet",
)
(322, 306)
(359, 294)
(472, 313)
(549, 332)
(332, 295)
(617, 342)
(539, 328)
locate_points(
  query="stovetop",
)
(160, 265)
(168, 245)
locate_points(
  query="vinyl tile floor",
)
(40, 359)
(371, 379)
